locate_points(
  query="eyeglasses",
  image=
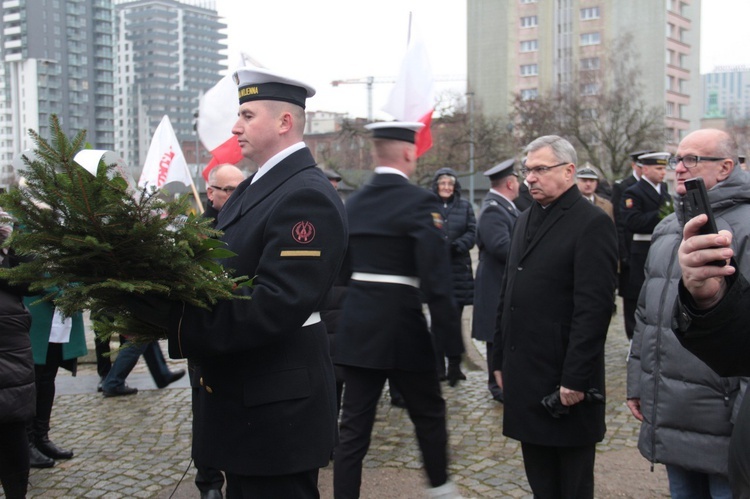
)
(690, 161)
(539, 170)
(228, 189)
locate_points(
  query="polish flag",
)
(412, 97)
(217, 114)
(164, 162)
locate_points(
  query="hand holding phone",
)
(696, 202)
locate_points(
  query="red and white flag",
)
(412, 97)
(217, 114)
(165, 162)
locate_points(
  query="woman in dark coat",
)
(17, 390)
(460, 225)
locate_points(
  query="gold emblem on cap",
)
(245, 91)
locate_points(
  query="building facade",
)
(168, 53)
(726, 93)
(530, 47)
(56, 57)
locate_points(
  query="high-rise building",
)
(529, 47)
(726, 93)
(56, 57)
(168, 53)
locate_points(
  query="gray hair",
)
(561, 148)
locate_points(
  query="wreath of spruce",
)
(88, 240)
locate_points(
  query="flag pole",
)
(195, 191)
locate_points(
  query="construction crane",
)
(369, 81)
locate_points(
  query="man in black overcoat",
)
(555, 309)
(495, 226)
(267, 409)
(398, 254)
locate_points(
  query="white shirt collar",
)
(504, 197)
(276, 159)
(390, 169)
(655, 186)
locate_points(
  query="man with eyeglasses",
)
(222, 181)
(641, 209)
(687, 411)
(555, 308)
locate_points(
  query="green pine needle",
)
(93, 241)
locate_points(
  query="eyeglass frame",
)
(227, 189)
(676, 160)
(539, 170)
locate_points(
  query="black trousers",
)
(560, 472)
(426, 407)
(303, 485)
(14, 459)
(629, 306)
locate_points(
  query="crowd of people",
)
(350, 296)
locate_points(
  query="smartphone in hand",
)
(696, 202)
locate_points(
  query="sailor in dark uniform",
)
(628, 293)
(494, 228)
(398, 254)
(642, 209)
(267, 411)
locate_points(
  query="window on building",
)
(529, 45)
(589, 89)
(529, 94)
(529, 69)
(669, 110)
(590, 38)
(529, 21)
(590, 63)
(589, 13)
(670, 29)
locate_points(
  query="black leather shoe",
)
(120, 391)
(455, 375)
(39, 460)
(99, 386)
(398, 402)
(173, 376)
(51, 450)
(212, 494)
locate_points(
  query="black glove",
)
(149, 308)
(455, 249)
(554, 405)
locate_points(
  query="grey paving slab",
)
(139, 446)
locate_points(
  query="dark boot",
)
(37, 459)
(43, 443)
(454, 371)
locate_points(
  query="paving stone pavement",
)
(139, 446)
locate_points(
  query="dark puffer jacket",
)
(461, 226)
(17, 390)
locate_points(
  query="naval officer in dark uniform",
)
(495, 226)
(398, 254)
(624, 289)
(267, 411)
(641, 211)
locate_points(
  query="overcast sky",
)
(326, 40)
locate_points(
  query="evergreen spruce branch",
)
(94, 243)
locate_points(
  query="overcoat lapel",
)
(567, 200)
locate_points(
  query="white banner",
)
(165, 162)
